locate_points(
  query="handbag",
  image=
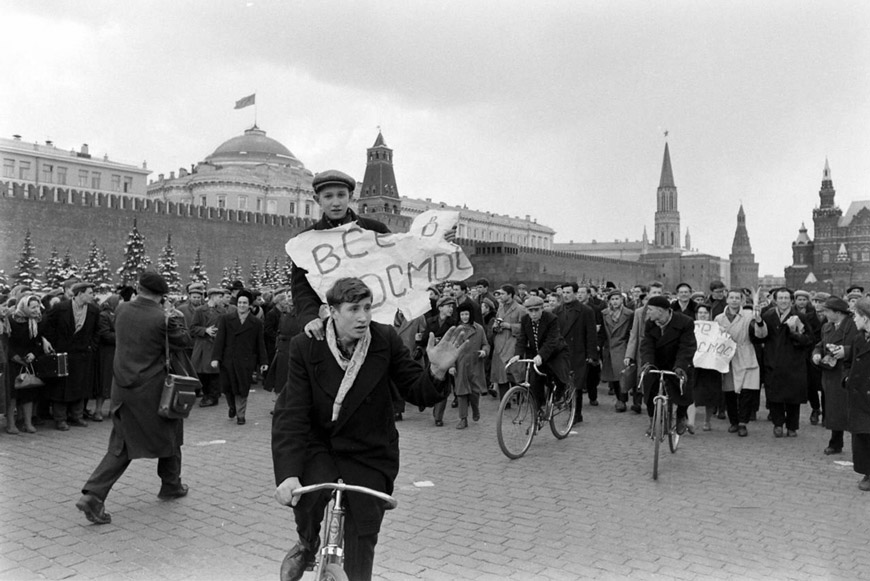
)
(179, 391)
(628, 378)
(51, 365)
(27, 379)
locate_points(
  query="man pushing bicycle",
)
(334, 420)
(668, 344)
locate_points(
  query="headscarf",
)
(32, 319)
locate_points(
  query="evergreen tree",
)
(254, 279)
(236, 272)
(267, 279)
(135, 259)
(197, 271)
(53, 278)
(167, 265)
(69, 268)
(4, 282)
(91, 270)
(27, 266)
(287, 274)
(105, 276)
(225, 278)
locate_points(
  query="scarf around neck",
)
(350, 366)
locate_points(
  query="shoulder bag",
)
(179, 391)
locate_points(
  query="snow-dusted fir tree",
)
(197, 271)
(254, 278)
(91, 269)
(69, 268)
(52, 275)
(266, 278)
(225, 278)
(27, 265)
(4, 282)
(287, 271)
(167, 265)
(135, 259)
(105, 269)
(236, 271)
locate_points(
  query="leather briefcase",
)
(51, 365)
(178, 396)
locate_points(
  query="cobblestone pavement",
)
(584, 508)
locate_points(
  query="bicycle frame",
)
(332, 528)
(661, 425)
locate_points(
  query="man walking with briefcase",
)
(142, 329)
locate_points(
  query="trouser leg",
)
(438, 410)
(474, 400)
(107, 472)
(777, 413)
(359, 551)
(241, 405)
(231, 400)
(502, 390)
(593, 378)
(792, 416)
(169, 470)
(59, 411)
(682, 412)
(732, 407)
(309, 514)
(745, 403)
(463, 407)
(617, 389)
(650, 397)
(211, 385)
(836, 441)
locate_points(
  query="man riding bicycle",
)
(668, 344)
(541, 341)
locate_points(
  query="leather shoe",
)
(742, 431)
(636, 408)
(463, 423)
(733, 428)
(94, 509)
(865, 484)
(298, 560)
(814, 417)
(830, 450)
(791, 434)
(475, 416)
(438, 423)
(207, 402)
(62, 426)
(168, 493)
(240, 421)
(78, 422)
(594, 402)
(231, 412)
(620, 406)
(777, 432)
(682, 426)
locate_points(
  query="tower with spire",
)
(744, 269)
(379, 194)
(667, 217)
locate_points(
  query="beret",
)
(533, 302)
(801, 293)
(716, 284)
(80, 286)
(153, 282)
(860, 289)
(216, 291)
(836, 304)
(660, 302)
(332, 177)
(196, 287)
(445, 301)
(237, 285)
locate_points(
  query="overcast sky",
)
(554, 109)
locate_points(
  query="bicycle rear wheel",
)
(333, 572)
(657, 434)
(671, 427)
(515, 427)
(562, 414)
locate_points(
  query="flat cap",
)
(854, 295)
(153, 282)
(821, 296)
(801, 293)
(196, 287)
(216, 291)
(81, 286)
(533, 302)
(332, 177)
(445, 301)
(860, 289)
(836, 304)
(659, 301)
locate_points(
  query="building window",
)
(826, 256)
(116, 183)
(61, 176)
(259, 204)
(83, 178)
(128, 184)
(865, 254)
(203, 200)
(272, 206)
(47, 173)
(95, 180)
(8, 168)
(243, 202)
(222, 202)
(292, 208)
(307, 208)
(24, 170)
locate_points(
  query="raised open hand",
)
(443, 356)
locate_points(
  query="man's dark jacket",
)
(577, 324)
(549, 344)
(670, 349)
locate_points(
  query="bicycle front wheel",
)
(657, 434)
(562, 414)
(515, 425)
(333, 572)
(671, 428)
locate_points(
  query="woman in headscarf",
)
(26, 343)
(469, 371)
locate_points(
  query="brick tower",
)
(744, 269)
(667, 218)
(379, 195)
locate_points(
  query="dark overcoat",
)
(548, 343)
(80, 347)
(288, 327)
(141, 330)
(577, 325)
(362, 445)
(858, 386)
(241, 351)
(106, 334)
(614, 349)
(785, 357)
(670, 349)
(836, 399)
(305, 298)
(203, 343)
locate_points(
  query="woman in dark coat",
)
(289, 325)
(26, 343)
(858, 394)
(832, 355)
(239, 350)
(106, 334)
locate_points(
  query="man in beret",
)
(71, 327)
(142, 329)
(668, 344)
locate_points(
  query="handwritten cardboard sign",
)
(398, 268)
(715, 346)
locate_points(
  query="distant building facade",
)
(839, 257)
(34, 164)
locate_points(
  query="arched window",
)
(865, 254)
(826, 256)
(672, 238)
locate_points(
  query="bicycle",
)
(664, 415)
(518, 417)
(330, 562)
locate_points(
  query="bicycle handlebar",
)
(527, 361)
(661, 372)
(389, 500)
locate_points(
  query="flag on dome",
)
(246, 101)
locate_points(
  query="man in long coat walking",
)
(142, 330)
(577, 324)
